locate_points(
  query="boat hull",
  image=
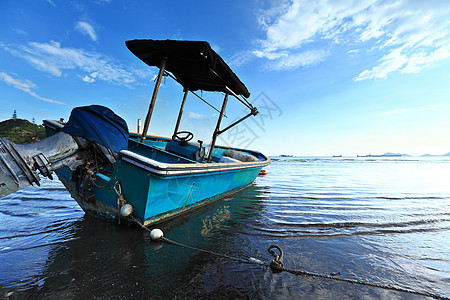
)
(159, 191)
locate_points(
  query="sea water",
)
(379, 220)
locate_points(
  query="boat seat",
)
(191, 151)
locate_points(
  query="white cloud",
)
(412, 34)
(86, 78)
(54, 59)
(353, 52)
(51, 2)
(394, 112)
(418, 61)
(24, 85)
(191, 115)
(398, 60)
(240, 58)
(216, 48)
(21, 32)
(419, 110)
(305, 21)
(393, 61)
(86, 29)
(293, 61)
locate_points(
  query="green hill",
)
(21, 131)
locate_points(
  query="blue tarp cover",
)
(100, 125)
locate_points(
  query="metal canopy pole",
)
(174, 78)
(254, 112)
(216, 132)
(186, 91)
(152, 102)
(198, 96)
(243, 101)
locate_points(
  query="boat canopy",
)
(195, 65)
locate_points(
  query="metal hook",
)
(277, 263)
(118, 188)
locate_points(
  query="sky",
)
(328, 77)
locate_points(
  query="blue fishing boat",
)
(118, 175)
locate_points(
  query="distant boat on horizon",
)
(337, 155)
(286, 155)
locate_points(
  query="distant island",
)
(425, 155)
(21, 131)
(388, 154)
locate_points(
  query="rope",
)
(94, 181)
(366, 283)
(276, 265)
(92, 175)
(168, 241)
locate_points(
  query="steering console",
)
(182, 137)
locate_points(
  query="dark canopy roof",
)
(193, 63)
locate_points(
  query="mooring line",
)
(160, 237)
(276, 265)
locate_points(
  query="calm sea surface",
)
(382, 220)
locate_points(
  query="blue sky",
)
(329, 77)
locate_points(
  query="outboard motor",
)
(93, 132)
(19, 164)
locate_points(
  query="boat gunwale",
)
(168, 169)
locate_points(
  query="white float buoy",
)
(156, 234)
(126, 210)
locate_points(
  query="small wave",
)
(13, 214)
(34, 246)
(43, 198)
(360, 224)
(411, 198)
(67, 225)
(334, 232)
